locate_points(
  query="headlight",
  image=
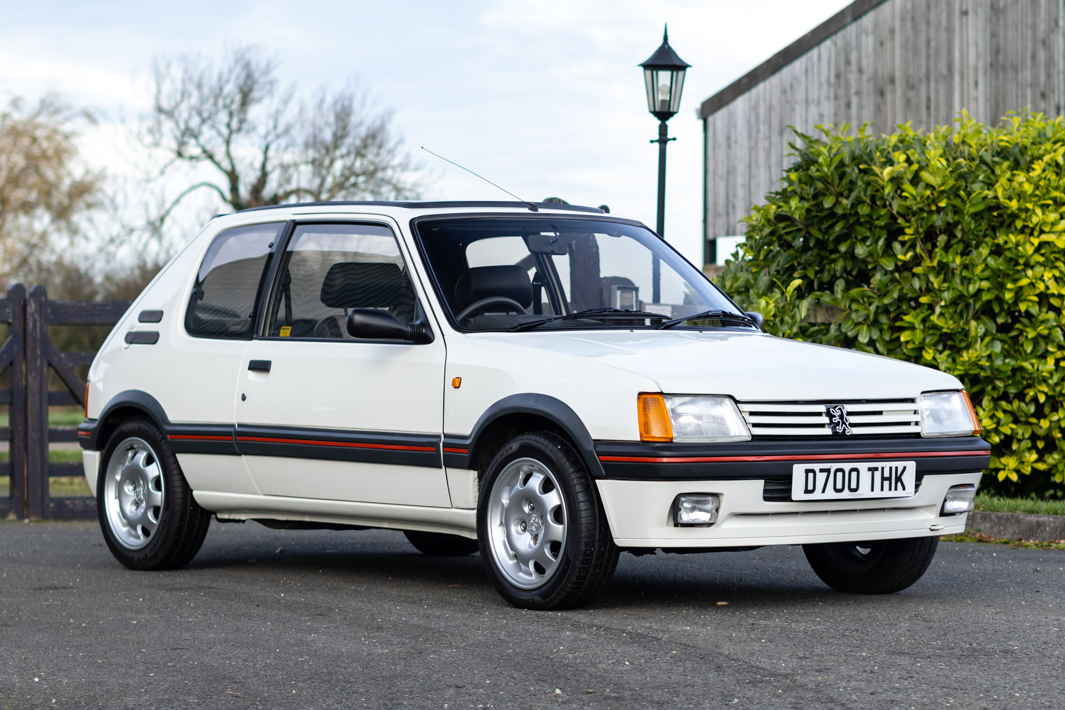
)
(690, 419)
(947, 414)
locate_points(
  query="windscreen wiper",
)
(608, 313)
(741, 318)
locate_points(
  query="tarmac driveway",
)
(285, 619)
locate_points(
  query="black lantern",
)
(663, 74)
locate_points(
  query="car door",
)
(325, 416)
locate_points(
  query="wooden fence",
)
(27, 355)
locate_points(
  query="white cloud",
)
(542, 96)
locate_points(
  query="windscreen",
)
(517, 273)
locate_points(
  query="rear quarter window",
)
(229, 282)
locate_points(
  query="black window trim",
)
(273, 279)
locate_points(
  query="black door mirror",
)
(373, 324)
(757, 318)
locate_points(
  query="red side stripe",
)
(788, 457)
(456, 451)
(198, 437)
(345, 444)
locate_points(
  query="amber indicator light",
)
(972, 413)
(86, 400)
(654, 418)
(456, 382)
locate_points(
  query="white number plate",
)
(842, 479)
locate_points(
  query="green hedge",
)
(945, 249)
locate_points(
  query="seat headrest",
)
(364, 285)
(508, 281)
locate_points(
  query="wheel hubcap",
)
(527, 523)
(133, 493)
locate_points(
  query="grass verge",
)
(54, 456)
(1015, 544)
(57, 416)
(986, 502)
(59, 487)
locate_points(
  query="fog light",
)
(959, 499)
(696, 509)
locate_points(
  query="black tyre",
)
(875, 567)
(146, 510)
(544, 538)
(441, 545)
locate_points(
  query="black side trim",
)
(647, 463)
(538, 404)
(142, 337)
(340, 445)
(215, 439)
(150, 316)
(131, 399)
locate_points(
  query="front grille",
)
(777, 489)
(810, 419)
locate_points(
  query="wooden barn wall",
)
(917, 61)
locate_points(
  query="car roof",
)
(436, 205)
(403, 210)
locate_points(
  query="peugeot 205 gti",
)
(548, 385)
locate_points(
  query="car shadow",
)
(767, 578)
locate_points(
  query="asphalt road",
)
(283, 619)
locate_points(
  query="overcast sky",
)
(543, 97)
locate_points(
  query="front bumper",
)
(640, 515)
(642, 481)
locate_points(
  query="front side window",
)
(229, 282)
(524, 273)
(329, 269)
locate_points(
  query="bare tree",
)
(43, 187)
(264, 145)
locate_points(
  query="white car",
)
(548, 385)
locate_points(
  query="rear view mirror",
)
(547, 244)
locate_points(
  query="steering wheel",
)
(481, 306)
(327, 328)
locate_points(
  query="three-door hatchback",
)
(545, 384)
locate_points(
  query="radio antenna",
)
(532, 206)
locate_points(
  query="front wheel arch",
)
(530, 412)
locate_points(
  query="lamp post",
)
(663, 75)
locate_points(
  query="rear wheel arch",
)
(123, 406)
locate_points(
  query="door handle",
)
(259, 365)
